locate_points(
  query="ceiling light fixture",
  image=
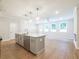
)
(30, 13)
(57, 12)
(37, 18)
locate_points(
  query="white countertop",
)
(32, 34)
(35, 35)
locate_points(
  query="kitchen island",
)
(34, 43)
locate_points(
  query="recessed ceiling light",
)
(57, 12)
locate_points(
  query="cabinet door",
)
(41, 43)
(33, 44)
(27, 42)
(17, 38)
(37, 44)
(21, 40)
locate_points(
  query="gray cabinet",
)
(17, 38)
(35, 43)
(20, 39)
(27, 42)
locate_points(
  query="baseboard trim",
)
(7, 39)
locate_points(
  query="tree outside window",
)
(54, 28)
(63, 27)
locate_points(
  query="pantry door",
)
(13, 30)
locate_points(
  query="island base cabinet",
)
(33, 44)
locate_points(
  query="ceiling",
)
(47, 8)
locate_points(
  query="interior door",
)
(13, 30)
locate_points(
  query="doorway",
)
(13, 30)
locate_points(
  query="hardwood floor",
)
(54, 49)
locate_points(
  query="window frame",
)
(63, 29)
(53, 29)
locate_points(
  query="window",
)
(46, 27)
(54, 28)
(63, 27)
(41, 28)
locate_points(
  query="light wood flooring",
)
(54, 49)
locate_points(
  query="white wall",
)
(76, 25)
(22, 27)
(75, 20)
(54, 35)
(63, 35)
(28, 26)
(5, 27)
